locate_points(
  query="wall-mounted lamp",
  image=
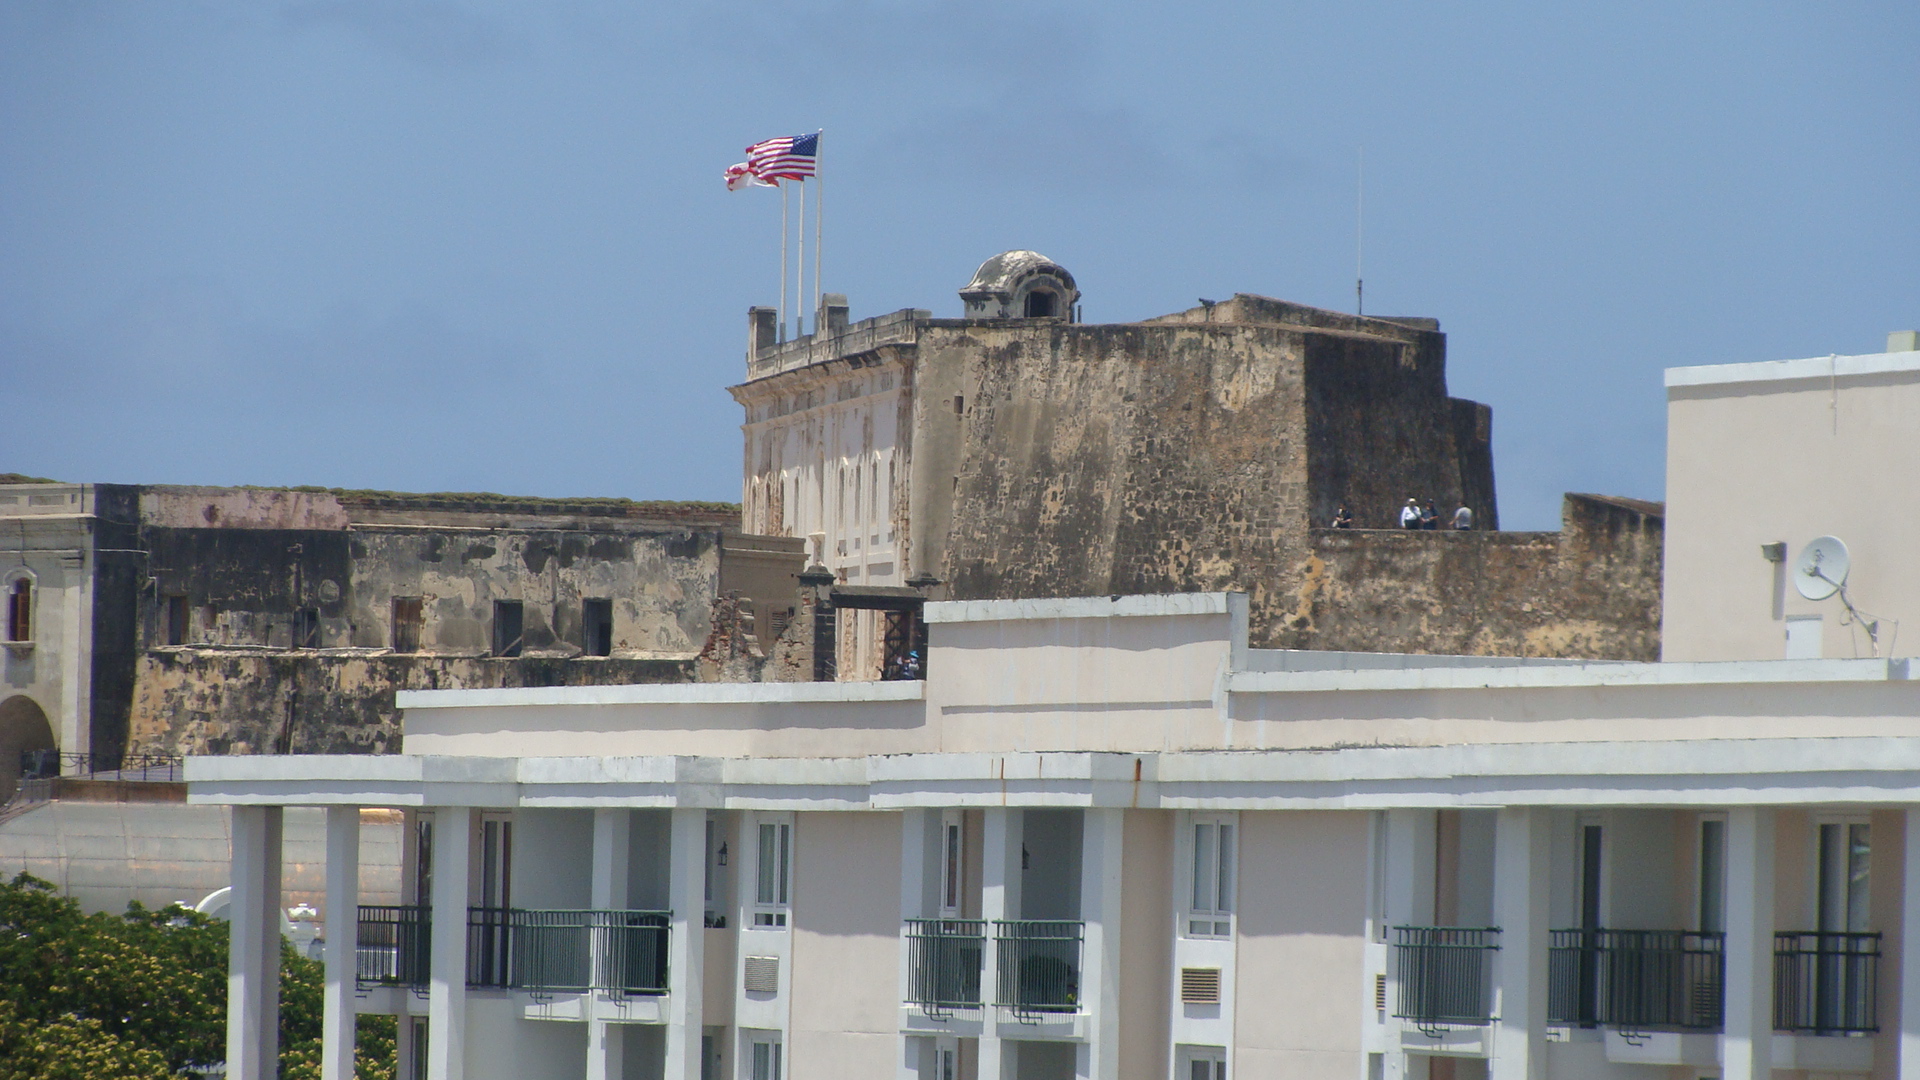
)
(1775, 552)
(720, 857)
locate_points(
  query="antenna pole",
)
(818, 213)
(783, 262)
(1359, 233)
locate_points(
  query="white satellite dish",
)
(1822, 568)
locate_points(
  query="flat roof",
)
(1819, 367)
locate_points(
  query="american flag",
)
(790, 158)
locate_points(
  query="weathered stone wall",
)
(250, 701)
(1591, 590)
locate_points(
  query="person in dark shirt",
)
(1429, 517)
(1342, 519)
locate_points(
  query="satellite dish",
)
(1821, 568)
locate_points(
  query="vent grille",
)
(1200, 986)
(1380, 993)
(762, 975)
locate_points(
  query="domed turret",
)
(1020, 285)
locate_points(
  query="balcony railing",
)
(1637, 979)
(569, 951)
(1039, 967)
(1445, 974)
(1826, 983)
(393, 946)
(943, 964)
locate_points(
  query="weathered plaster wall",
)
(226, 701)
(1123, 459)
(1591, 590)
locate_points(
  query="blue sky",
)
(469, 246)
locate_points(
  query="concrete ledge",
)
(1079, 607)
(666, 694)
(1820, 367)
(1468, 674)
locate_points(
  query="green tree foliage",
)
(142, 995)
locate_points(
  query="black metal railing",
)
(393, 946)
(943, 963)
(1637, 979)
(567, 951)
(101, 765)
(1445, 973)
(1039, 966)
(1826, 983)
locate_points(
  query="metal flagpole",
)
(818, 214)
(800, 270)
(783, 262)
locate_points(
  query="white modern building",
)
(1104, 838)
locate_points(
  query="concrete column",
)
(447, 969)
(338, 1010)
(913, 895)
(687, 942)
(999, 900)
(612, 847)
(1909, 1064)
(1520, 896)
(1747, 1050)
(1100, 856)
(1409, 872)
(253, 958)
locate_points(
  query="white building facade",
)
(1104, 838)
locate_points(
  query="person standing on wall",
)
(1342, 519)
(1410, 514)
(1463, 518)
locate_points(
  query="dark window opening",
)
(1040, 304)
(20, 610)
(959, 404)
(177, 622)
(508, 618)
(597, 627)
(407, 617)
(306, 629)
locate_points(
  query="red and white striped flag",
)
(741, 177)
(792, 157)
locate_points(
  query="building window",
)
(952, 863)
(1845, 854)
(1713, 875)
(1040, 304)
(305, 633)
(1204, 1063)
(408, 615)
(766, 1057)
(177, 620)
(1211, 900)
(508, 619)
(20, 609)
(773, 873)
(596, 620)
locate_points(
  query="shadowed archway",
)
(23, 727)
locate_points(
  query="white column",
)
(1409, 874)
(612, 847)
(999, 900)
(687, 942)
(447, 970)
(1747, 1050)
(1909, 1064)
(338, 1010)
(1100, 855)
(1520, 896)
(913, 905)
(253, 958)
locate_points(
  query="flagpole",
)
(800, 269)
(783, 262)
(819, 212)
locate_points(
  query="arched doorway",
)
(23, 727)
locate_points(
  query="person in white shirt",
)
(1410, 514)
(1463, 518)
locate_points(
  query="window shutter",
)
(762, 975)
(1200, 986)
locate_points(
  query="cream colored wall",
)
(1303, 892)
(846, 941)
(1788, 460)
(1146, 944)
(501, 1045)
